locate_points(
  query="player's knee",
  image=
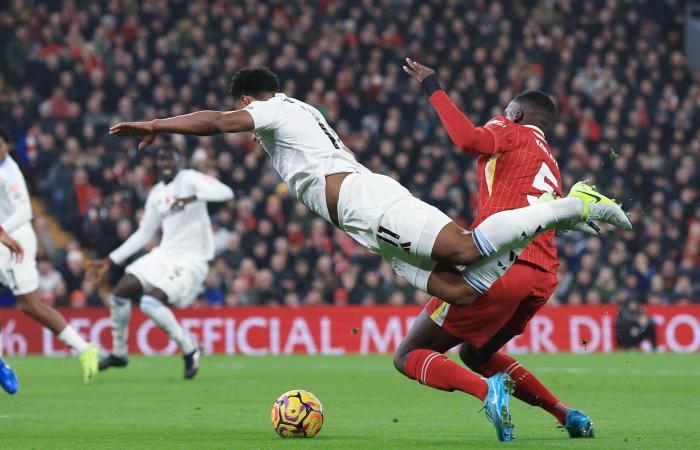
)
(400, 358)
(128, 287)
(470, 356)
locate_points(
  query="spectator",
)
(629, 120)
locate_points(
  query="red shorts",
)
(506, 307)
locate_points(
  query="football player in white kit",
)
(422, 244)
(20, 274)
(174, 271)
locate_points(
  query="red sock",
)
(438, 371)
(527, 387)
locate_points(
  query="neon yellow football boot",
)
(90, 360)
(586, 227)
(598, 207)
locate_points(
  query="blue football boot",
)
(497, 405)
(8, 379)
(578, 424)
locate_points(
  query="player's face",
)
(4, 147)
(167, 164)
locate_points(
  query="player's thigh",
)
(424, 334)
(20, 277)
(542, 285)
(478, 322)
(412, 226)
(448, 284)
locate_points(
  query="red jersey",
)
(515, 167)
(521, 170)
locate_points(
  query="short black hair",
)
(4, 134)
(539, 104)
(253, 81)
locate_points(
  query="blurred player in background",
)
(174, 271)
(8, 378)
(515, 167)
(421, 243)
(21, 275)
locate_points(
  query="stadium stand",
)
(629, 121)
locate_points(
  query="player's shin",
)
(510, 228)
(527, 387)
(438, 371)
(71, 338)
(120, 313)
(165, 319)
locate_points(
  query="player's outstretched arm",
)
(461, 130)
(200, 123)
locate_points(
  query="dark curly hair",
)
(253, 81)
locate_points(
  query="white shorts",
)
(22, 278)
(382, 215)
(177, 274)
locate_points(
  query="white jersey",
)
(15, 205)
(187, 231)
(303, 148)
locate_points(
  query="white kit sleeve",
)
(142, 236)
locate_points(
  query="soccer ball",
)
(297, 413)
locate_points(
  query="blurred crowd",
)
(629, 116)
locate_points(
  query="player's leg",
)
(127, 290)
(487, 360)
(46, 315)
(420, 357)
(153, 304)
(24, 282)
(517, 227)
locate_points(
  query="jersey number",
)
(540, 183)
(328, 133)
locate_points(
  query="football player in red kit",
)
(515, 168)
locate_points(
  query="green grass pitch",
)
(635, 400)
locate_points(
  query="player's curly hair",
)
(253, 81)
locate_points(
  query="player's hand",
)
(181, 203)
(417, 70)
(143, 130)
(97, 269)
(16, 249)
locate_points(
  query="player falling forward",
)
(172, 272)
(8, 378)
(21, 276)
(515, 167)
(421, 243)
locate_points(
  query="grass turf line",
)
(635, 400)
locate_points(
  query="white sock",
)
(511, 228)
(71, 338)
(165, 319)
(120, 313)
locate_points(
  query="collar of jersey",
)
(537, 131)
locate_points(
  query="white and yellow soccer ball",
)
(297, 413)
